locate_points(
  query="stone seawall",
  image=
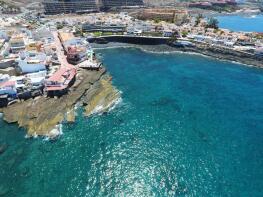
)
(131, 39)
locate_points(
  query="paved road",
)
(60, 51)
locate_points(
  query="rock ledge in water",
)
(40, 116)
(104, 98)
(3, 148)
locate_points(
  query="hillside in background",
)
(25, 3)
(35, 3)
(20, 3)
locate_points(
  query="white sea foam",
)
(183, 52)
(198, 54)
(175, 52)
(54, 133)
(100, 109)
(115, 103)
(30, 136)
(27, 136)
(114, 47)
(77, 105)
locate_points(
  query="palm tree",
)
(212, 23)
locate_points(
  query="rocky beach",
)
(41, 115)
(93, 90)
(202, 49)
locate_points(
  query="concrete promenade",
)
(60, 52)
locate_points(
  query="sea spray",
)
(105, 97)
(55, 133)
(100, 109)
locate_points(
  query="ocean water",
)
(187, 126)
(252, 23)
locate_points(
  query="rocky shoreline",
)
(202, 49)
(42, 115)
(92, 90)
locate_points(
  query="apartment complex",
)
(108, 4)
(86, 6)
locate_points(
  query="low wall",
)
(143, 40)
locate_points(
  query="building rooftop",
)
(7, 84)
(61, 79)
(62, 74)
(65, 36)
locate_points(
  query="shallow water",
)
(187, 126)
(252, 23)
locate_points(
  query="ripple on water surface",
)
(187, 126)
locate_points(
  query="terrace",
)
(61, 79)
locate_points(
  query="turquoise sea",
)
(252, 23)
(187, 125)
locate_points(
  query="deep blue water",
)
(187, 126)
(242, 23)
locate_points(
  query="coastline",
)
(164, 49)
(42, 115)
(93, 91)
(236, 13)
(147, 116)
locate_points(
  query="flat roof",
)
(58, 76)
(65, 36)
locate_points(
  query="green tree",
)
(212, 23)
(173, 38)
(184, 34)
(198, 19)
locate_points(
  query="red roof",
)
(61, 74)
(61, 78)
(7, 84)
(55, 88)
